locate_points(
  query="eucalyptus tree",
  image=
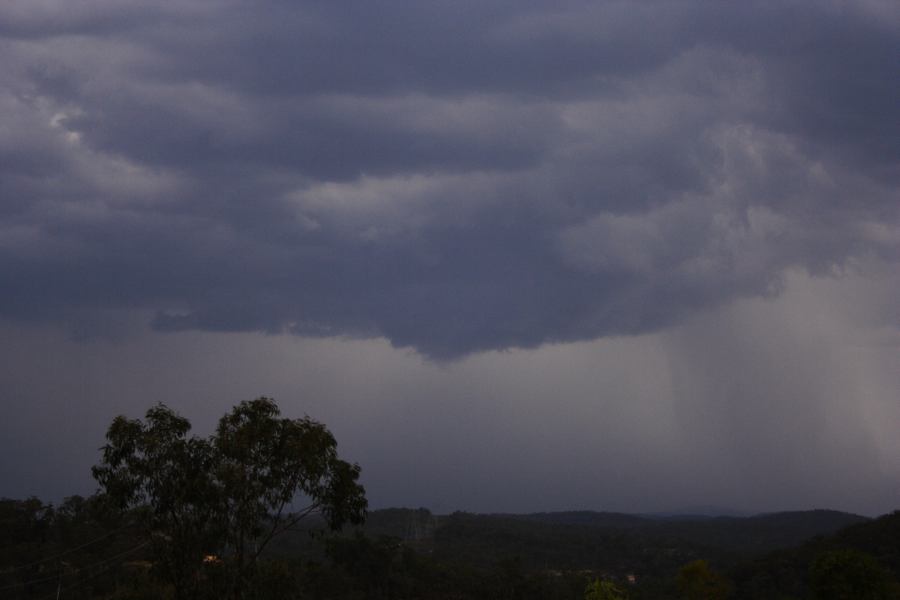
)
(220, 500)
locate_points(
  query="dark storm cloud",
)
(452, 176)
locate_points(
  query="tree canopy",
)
(217, 502)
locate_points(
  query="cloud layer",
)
(762, 405)
(451, 176)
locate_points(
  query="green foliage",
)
(600, 589)
(793, 572)
(22, 523)
(155, 467)
(227, 495)
(696, 581)
(412, 554)
(75, 548)
(848, 574)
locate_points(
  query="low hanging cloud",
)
(454, 177)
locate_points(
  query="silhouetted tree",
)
(226, 495)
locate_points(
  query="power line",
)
(77, 571)
(67, 552)
(84, 580)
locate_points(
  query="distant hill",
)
(787, 571)
(698, 512)
(412, 554)
(619, 542)
(613, 543)
(732, 535)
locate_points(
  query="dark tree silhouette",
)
(212, 505)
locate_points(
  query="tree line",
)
(265, 508)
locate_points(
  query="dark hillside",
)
(873, 547)
(583, 539)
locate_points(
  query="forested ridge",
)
(83, 550)
(264, 508)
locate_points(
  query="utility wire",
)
(66, 552)
(76, 571)
(85, 580)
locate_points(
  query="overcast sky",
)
(518, 256)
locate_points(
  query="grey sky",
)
(519, 255)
